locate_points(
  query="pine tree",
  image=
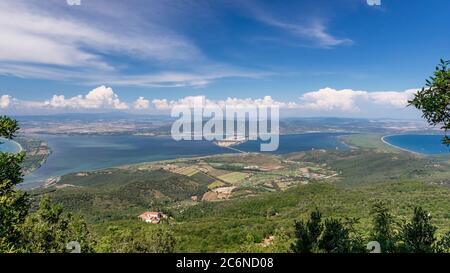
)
(307, 234)
(418, 236)
(14, 204)
(382, 232)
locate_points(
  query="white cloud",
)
(45, 40)
(191, 101)
(348, 100)
(40, 40)
(265, 101)
(141, 103)
(161, 104)
(313, 30)
(181, 79)
(99, 98)
(330, 99)
(357, 104)
(32, 33)
(326, 101)
(394, 99)
(5, 101)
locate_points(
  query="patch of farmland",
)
(264, 161)
(213, 172)
(215, 184)
(234, 177)
(202, 178)
(187, 171)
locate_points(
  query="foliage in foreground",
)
(145, 239)
(46, 230)
(337, 236)
(433, 100)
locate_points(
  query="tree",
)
(434, 99)
(307, 234)
(144, 239)
(14, 204)
(8, 127)
(46, 230)
(340, 236)
(282, 242)
(418, 236)
(116, 240)
(335, 237)
(443, 246)
(382, 231)
(49, 229)
(158, 240)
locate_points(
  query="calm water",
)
(8, 146)
(83, 153)
(424, 144)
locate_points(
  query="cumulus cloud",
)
(348, 100)
(331, 99)
(394, 99)
(141, 103)
(191, 101)
(326, 101)
(99, 98)
(5, 101)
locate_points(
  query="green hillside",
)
(122, 194)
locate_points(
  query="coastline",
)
(20, 148)
(342, 140)
(400, 148)
(45, 180)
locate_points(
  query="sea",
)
(423, 144)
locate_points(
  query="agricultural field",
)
(233, 177)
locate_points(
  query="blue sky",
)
(325, 57)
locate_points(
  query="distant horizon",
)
(167, 115)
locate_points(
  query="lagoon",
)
(76, 153)
(9, 146)
(423, 144)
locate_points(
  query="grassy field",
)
(371, 141)
(234, 177)
(215, 184)
(188, 171)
